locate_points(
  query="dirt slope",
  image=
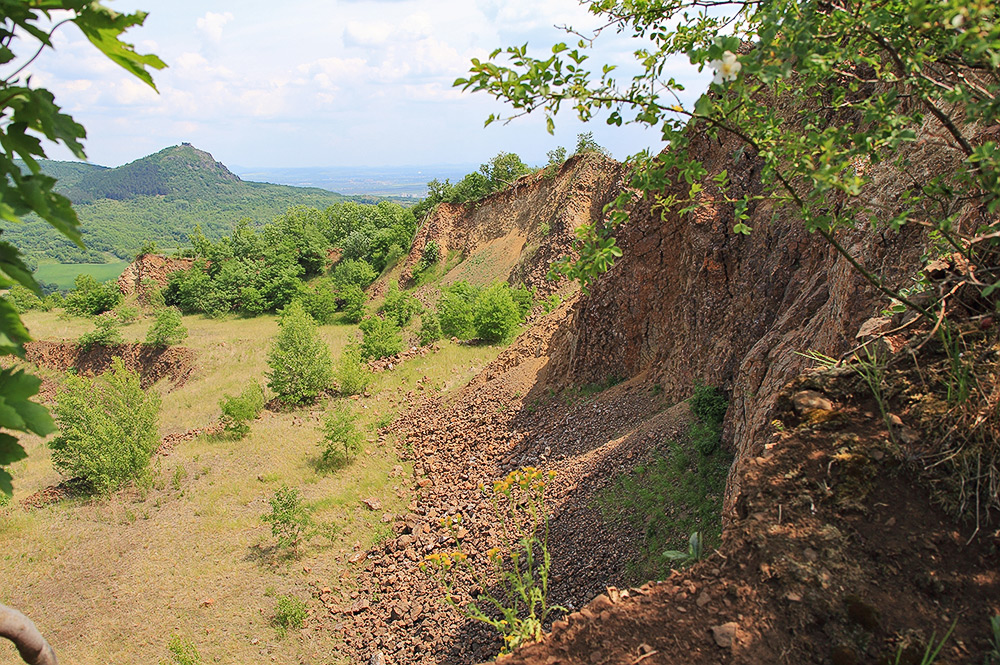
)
(516, 233)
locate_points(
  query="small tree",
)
(382, 338)
(352, 373)
(107, 428)
(399, 306)
(430, 329)
(354, 303)
(455, 310)
(495, 315)
(166, 329)
(290, 521)
(341, 441)
(237, 412)
(300, 362)
(106, 332)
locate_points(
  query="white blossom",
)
(726, 69)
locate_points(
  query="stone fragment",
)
(725, 634)
(805, 401)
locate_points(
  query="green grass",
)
(63, 274)
(669, 497)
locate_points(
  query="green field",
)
(63, 274)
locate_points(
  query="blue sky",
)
(324, 83)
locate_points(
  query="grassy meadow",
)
(63, 274)
(114, 579)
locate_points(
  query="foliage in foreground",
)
(300, 362)
(238, 411)
(107, 428)
(30, 115)
(519, 566)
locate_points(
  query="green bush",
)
(430, 328)
(341, 439)
(300, 361)
(89, 297)
(524, 299)
(167, 329)
(352, 372)
(357, 272)
(455, 310)
(355, 302)
(290, 614)
(705, 437)
(290, 521)
(320, 301)
(106, 332)
(495, 315)
(708, 404)
(382, 338)
(399, 306)
(107, 428)
(126, 314)
(237, 412)
(24, 299)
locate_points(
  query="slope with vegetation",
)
(159, 200)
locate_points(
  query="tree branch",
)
(30, 644)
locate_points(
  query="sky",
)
(311, 83)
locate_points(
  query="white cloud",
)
(211, 24)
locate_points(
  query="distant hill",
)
(161, 197)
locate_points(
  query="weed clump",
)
(182, 652)
(107, 429)
(289, 614)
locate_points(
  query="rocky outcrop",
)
(693, 301)
(516, 233)
(149, 269)
(151, 363)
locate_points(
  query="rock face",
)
(691, 300)
(151, 363)
(149, 269)
(516, 233)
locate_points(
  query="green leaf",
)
(103, 26)
(10, 450)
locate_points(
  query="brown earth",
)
(152, 364)
(149, 269)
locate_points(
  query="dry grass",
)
(111, 580)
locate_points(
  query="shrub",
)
(352, 373)
(429, 257)
(106, 332)
(354, 303)
(524, 299)
(455, 313)
(289, 614)
(399, 306)
(320, 301)
(290, 522)
(356, 246)
(237, 412)
(708, 404)
(341, 439)
(382, 338)
(166, 329)
(357, 272)
(89, 297)
(126, 314)
(107, 428)
(300, 361)
(24, 299)
(495, 315)
(705, 437)
(430, 329)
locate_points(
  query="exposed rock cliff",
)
(149, 269)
